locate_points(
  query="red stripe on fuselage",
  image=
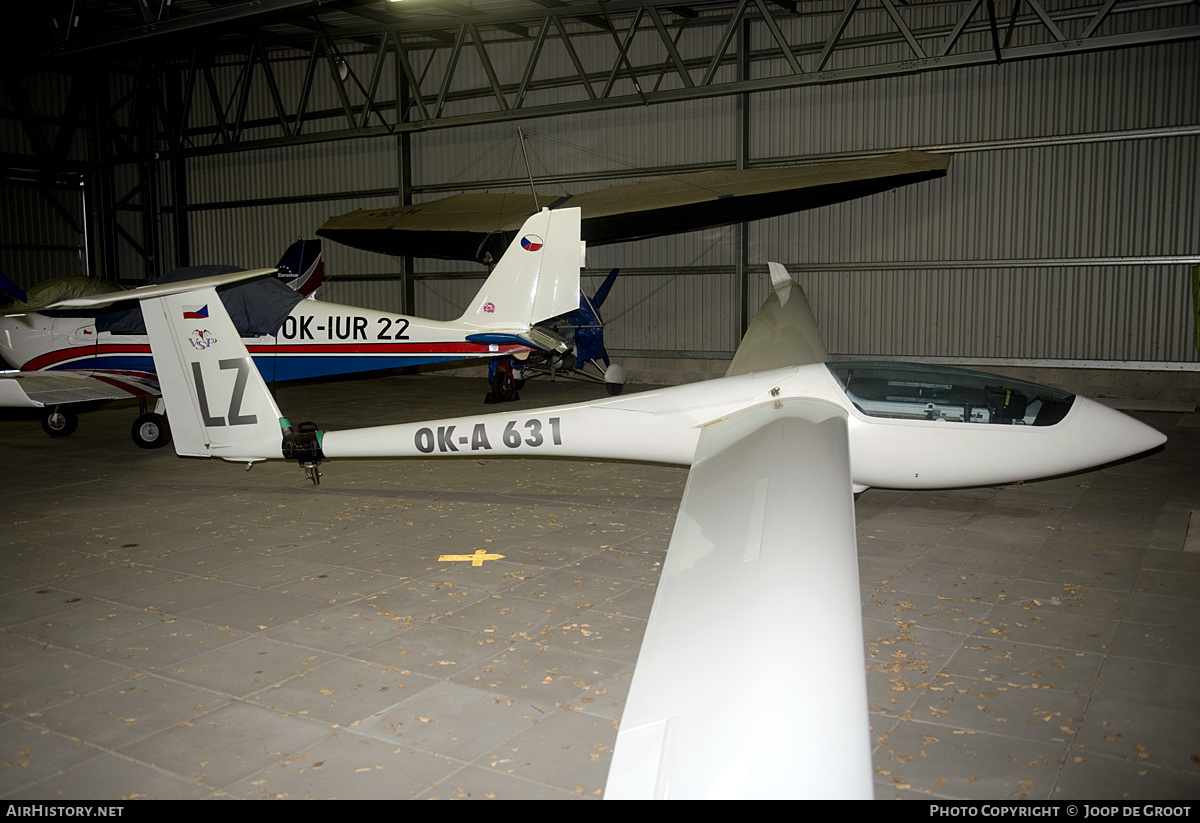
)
(60, 357)
(388, 348)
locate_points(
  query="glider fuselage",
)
(924, 449)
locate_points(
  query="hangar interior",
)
(137, 137)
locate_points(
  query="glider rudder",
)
(218, 404)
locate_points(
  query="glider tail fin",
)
(783, 333)
(218, 403)
(536, 279)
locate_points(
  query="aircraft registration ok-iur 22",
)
(77, 356)
(762, 562)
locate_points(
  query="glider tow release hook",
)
(304, 446)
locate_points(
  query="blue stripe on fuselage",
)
(274, 368)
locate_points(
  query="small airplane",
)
(762, 562)
(71, 357)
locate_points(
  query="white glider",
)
(762, 563)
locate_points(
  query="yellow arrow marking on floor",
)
(476, 559)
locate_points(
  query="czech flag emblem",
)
(531, 242)
(195, 312)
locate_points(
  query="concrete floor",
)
(183, 629)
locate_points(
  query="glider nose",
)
(1111, 435)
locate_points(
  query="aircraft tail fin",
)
(536, 279)
(12, 289)
(605, 288)
(783, 333)
(302, 267)
(216, 399)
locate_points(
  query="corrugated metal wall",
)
(1063, 230)
(246, 208)
(36, 242)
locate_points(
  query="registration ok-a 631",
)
(534, 432)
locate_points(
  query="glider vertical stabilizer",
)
(219, 404)
(783, 333)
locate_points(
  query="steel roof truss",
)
(575, 61)
(455, 51)
(273, 89)
(836, 35)
(622, 54)
(777, 35)
(735, 22)
(310, 72)
(488, 69)
(407, 75)
(904, 29)
(531, 63)
(669, 44)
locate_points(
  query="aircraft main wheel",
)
(151, 431)
(614, 388)
(59, 422)
(504, 385)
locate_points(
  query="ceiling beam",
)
(236, 12)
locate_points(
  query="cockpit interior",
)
(916, 391)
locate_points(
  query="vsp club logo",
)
(489, 307)
(201, 339)
(531, 242)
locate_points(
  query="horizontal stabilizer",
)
(534, 338)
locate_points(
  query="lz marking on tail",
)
(763, 555)
(72, 357)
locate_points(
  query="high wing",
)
(750, 679)
(477, 225)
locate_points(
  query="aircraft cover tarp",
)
(257, 307)
(60, 288)
(467, 226)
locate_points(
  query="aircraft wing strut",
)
(750, 680)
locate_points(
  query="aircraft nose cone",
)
(1112, 435)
